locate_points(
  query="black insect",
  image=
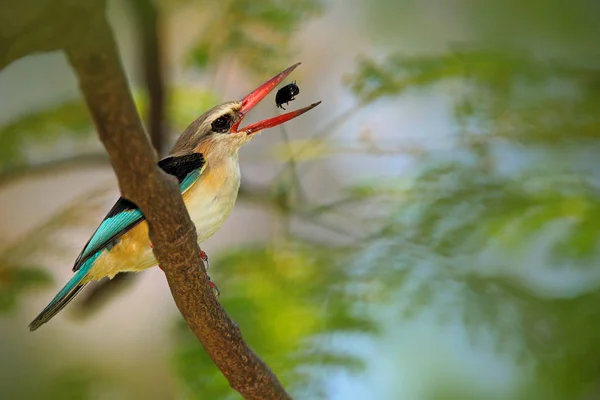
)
(286, 94)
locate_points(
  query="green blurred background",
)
(431, 231)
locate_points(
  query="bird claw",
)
(212, 285)
(214, 288)
(204, 257)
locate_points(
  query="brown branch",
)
(81, 28)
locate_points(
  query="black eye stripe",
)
(222, 124)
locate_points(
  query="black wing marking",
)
(125, 215)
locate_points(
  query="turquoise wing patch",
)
(189, 181)
(110, 227)
(125, 215)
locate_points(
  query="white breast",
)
(210, 200)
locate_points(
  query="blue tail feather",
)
(66, 294)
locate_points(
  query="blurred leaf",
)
(200, 56)
(72, 384)
(15, 281)
(546, 25)
(518, 96)
(505, 236)
(253, 33)
(186, 104)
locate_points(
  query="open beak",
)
(260, 93)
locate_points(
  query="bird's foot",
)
(214, 288)
(204, 258)
(212, 285)
(203, 255)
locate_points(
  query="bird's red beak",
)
(260, 93)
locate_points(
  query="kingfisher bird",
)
(205, 162)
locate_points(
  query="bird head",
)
(217, 132)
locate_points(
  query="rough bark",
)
(81, 29)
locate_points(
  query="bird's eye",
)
(222, 124)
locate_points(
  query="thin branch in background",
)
(320, 135)
(333, 206)
(291, 164)
(43, 235)
(52, 167)
(335, 229)
(336, 123)
(148, 17)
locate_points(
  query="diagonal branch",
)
(81, 28)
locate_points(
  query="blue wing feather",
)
(189, 180)
(111, 226)
(125, 215)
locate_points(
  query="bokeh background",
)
(430, 231)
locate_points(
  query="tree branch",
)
(85, 34)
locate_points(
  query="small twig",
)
(52, 166)
(291, 164)
(319, 136)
